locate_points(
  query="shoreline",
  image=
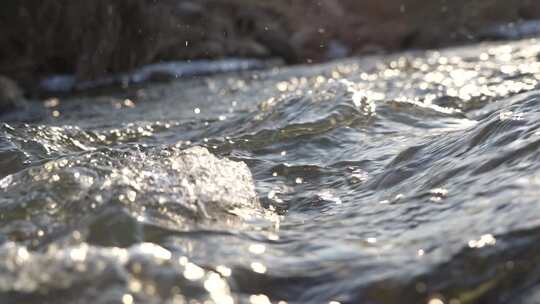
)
(97, 39)
(14, 94)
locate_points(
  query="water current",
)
(405, 178)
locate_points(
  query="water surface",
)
(408, 178)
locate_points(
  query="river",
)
(404, 178)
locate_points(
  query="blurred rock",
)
(371, 26)
(93, 39)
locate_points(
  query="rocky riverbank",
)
(94, 39)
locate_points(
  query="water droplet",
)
(485, 240)
(259, 299)
(51, 102)
(257, 248)
(224, 270)
(193, 272)
(435, 301)
(129, 103)
(258, 267)
(127, 299)
(371, 240)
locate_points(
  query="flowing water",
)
(408, 178)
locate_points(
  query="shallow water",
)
(409, 178)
